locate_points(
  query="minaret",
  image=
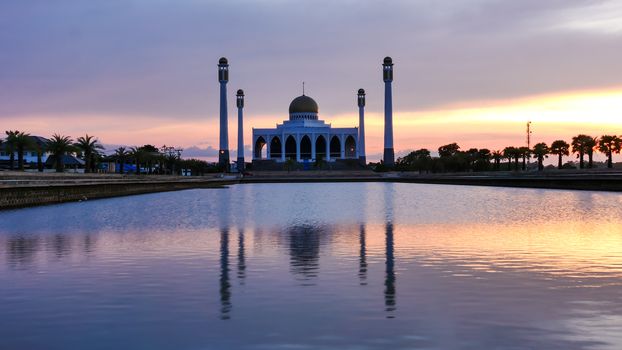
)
(361, 102)
(240, 104)
(387, 76)
(223, 78)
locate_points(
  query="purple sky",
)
(158, 58)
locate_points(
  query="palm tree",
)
(137, 154)
(497, 156)
(540, 151)
(121, 153)
(90, 147)
(289, 164)
(59, 146)
(582, 145)
(510, 153)
(609, 144)
(560, 148)
(10, 146)
(21, 141)
(590, 145)
(524, 153)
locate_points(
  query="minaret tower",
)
(240, 104)
(223, 78)
(387, 76)
(361, 102)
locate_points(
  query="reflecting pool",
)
(316, 266)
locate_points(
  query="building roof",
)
(303, 104)
(67, 160)
(38, 141)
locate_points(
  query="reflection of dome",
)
(303, 104)
(222, 60)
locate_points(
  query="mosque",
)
(304, 137)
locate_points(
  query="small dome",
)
(303, 104)
(240, 92)
(388, 60)
(361, 92)
(223, 60)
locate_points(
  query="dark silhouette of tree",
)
(497, 156)
(560, 148)
(580, 145)
(121, 154)
(540, 151)
(90, 147)
(59, 146)
(9, 143)
(609, 144)
(524, 153)
(511, 153)
(21, 141)
(448, 150)
(590, 146)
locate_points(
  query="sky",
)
(135, 72)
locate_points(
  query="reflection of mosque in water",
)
(303, 243)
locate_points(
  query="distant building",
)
(304, 137)
(30, 153)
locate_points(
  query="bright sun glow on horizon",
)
(489, 124)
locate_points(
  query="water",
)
(316, 266)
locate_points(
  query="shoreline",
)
(27, 190)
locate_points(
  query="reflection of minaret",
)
(389, 282)
(361, 103)
(241, 258)
(387, 76)
(225, 286)
(362, 257)
(240, 104)
(223, 78)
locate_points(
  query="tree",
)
(289, 164)
(137, 154)
(524, 152)
(497, 156)
(59, 146)
(319, 161)
(609, 144)
(448, 150)
(512, 153)
(10, 147)
(121, 154)
(582, 145)
(590, 145)
(90, 147)
(21, 141)
(560, 148)
(540, 151)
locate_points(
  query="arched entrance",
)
(259, 144)
(320, 147)
(290, 147)
(275, 148)
(305, 147)
(335, 147)
(350, 147)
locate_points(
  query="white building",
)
(304, 137)
(30, 153)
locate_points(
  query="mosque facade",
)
(304, 137)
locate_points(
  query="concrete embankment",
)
(18, 196)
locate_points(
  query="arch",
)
(290, 147)
(335, 147)
(305, 147)
(320, 147)
(259, 145)
(350, 147)
(275, 148)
